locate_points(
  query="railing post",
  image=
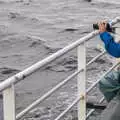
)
(9, 103)
(81, 52)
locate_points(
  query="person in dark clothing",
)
(110, 84)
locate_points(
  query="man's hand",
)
(102, 26)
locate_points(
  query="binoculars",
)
(109, 28)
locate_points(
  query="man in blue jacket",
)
(110, 84)
(111, 46)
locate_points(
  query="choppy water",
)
(56, 23)
(110, 1)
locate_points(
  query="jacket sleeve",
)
(106, 38)
(111, 46)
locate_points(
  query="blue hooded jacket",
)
(111, 46)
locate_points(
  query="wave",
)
(106, 1)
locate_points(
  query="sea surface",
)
(111, 1)
(31, 30)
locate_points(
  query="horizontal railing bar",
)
(95, 58)
(96, 82)
(49, 59)
(89, 113)
(46, 95)
(90, 82)
(114, 21)
(44, 62)
(69, 107)
(92, 110)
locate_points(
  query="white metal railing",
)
(81, 97)
(7, 86)
(56, 87)
(92, 110)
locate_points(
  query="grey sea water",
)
(111, 1)
(31, 30)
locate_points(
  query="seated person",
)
(110, 84)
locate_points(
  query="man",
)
(110, 84)
(111, 46)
